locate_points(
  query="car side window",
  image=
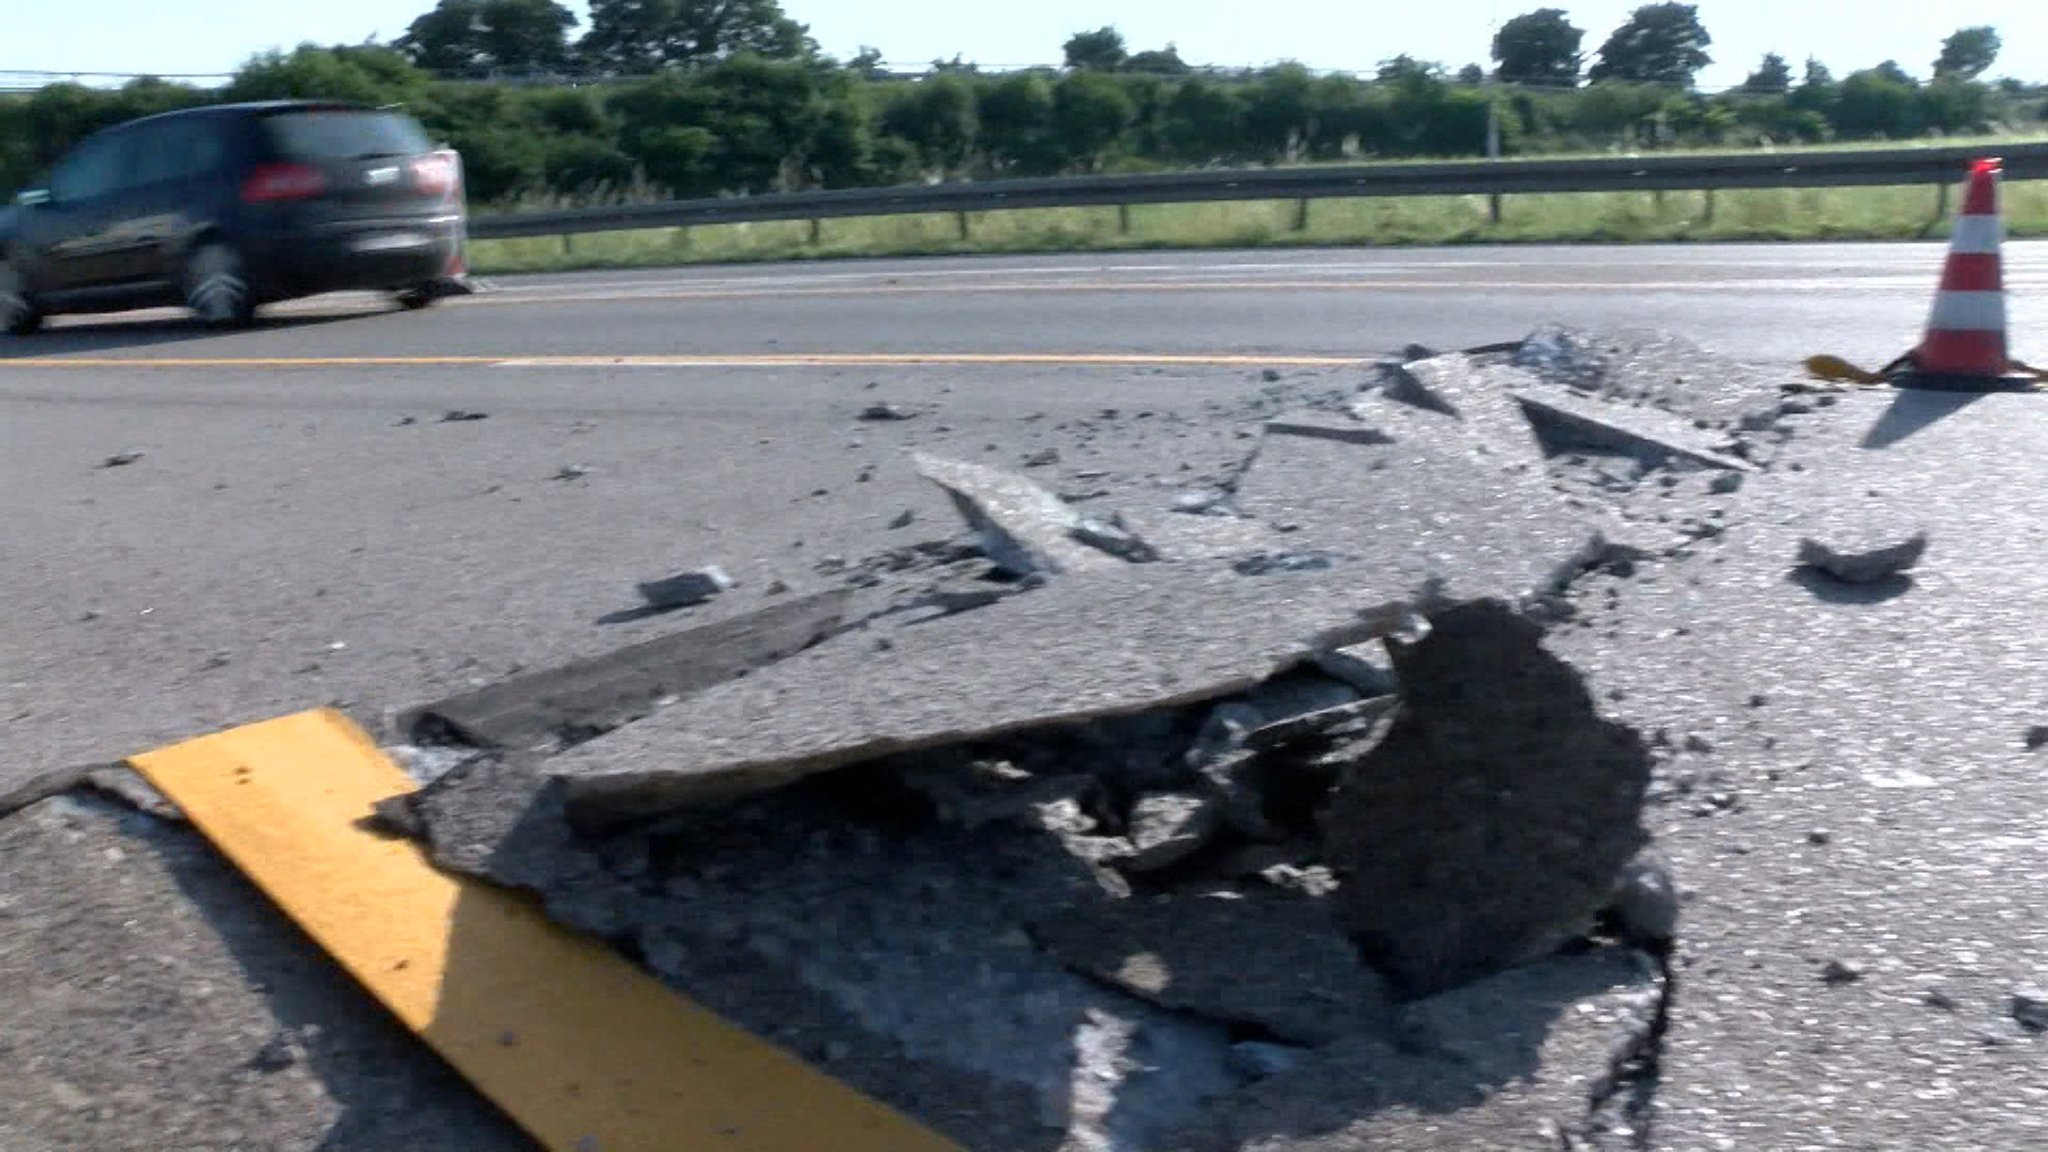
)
(93, 171)
(177, 150)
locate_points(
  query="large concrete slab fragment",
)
(1084, 647)
(1025, 529)
(1434, 507)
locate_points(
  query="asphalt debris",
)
(463, 416)
(884, 412)
(121, 459)
(686, 589)
(1862, 563)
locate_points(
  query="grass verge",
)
(1598, 217)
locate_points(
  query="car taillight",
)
(435, 174)
(272, 183)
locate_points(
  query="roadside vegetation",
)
(731, 97)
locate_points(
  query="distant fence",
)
(1941, 167)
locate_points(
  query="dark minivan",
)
(227, 207)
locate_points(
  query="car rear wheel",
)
(416, 297)
(217, 287)
(19, 315)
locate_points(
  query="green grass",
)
(1598, 217)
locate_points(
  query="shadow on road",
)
(125, 331)
(1913, 411)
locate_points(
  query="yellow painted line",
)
(583, 1050)
(792, 360)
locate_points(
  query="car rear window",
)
(344, 134)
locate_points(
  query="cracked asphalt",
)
(299, 525)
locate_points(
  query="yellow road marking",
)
(792, 360)
(586, 1052)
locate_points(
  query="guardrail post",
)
(1123, 219)
(568, 243)
(1301, 215)
(1493, 206)
(1941, 201)
(817, 231)
(965, 233)
(1707, 212)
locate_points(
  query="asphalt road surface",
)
(301, 527)
(203, 530)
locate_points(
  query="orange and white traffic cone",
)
(1965, 346)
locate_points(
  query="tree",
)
(1099, 51)
(1660, 44)
(467, 37)
(1471, 75)
(1204, 122)
(1540, 47)
(1817, 92)
(1090, 112)
(1280, 112)
(1405, 70)
(1878, 102)
(643, 35)
(1890, 71)
(1016, 124)
(1773, 77)
(1968, 54)
(866, 64)
(938, 115)
(1158, 62)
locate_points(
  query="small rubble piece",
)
(1203, 502)
(1868, 566)
(120, 459)
(1565, 420)
(2037, 737)
(687, 590)
(571, 472)
(1167, 828)
(1363, 667)
(1836, 973)
(2030, 1008)
(1491, 822)
(1043, 458)
(1025, 530)
(903, 519)
(1267, 563)
(1270, 961)
(1315, 429)
(1114, 537)
(987, 792)
(885, 412)
(1645, 908)
(460, 416)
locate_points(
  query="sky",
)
(214, 36)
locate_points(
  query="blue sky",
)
(168, 36)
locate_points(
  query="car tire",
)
(217, 287)
(19, 315)
(416, 297)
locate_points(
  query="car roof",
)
(249, 108)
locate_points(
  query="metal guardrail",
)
(1833, 169)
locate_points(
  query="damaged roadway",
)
(1060, 843)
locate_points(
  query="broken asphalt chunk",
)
(1167, 828)
(2030, 1008)
(1869, 565)
(461, 416)
(1135, 640)
(885, 412)
(686, 590)
(1566, 420)
(1269, 961)
(120, 459)
(1490, 823)
(576, 701)
(1114, 537)
(1025, 530)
